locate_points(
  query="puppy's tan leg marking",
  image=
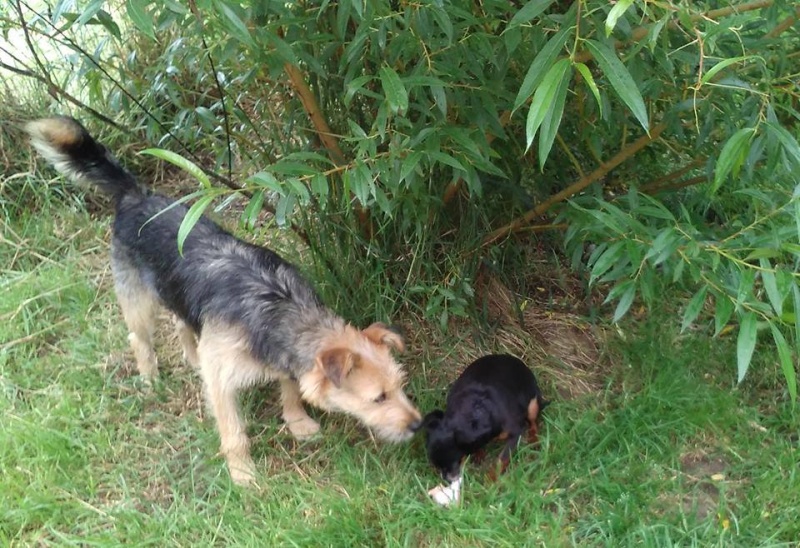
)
(188, 341)
(300, 424)
(139, 311)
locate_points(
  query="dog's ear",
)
(336, 363)
(433, 420)
(380, 333)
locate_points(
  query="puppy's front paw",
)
(447, 494)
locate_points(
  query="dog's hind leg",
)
(188, 340)
(533, 421)
(139, 308)
(300, 424)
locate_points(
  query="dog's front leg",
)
(300, 424)
(505, 457)
(218, 367)
(235, 445)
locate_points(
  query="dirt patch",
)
(562, 344)
(702, 474)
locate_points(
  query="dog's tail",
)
(66, 144)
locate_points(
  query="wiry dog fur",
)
(244, 315)
(496, 397)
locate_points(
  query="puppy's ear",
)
(433, 420)
(336, 363)
(380, 333)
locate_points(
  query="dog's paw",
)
(303, 428)
(243, 473)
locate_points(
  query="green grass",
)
(667, 453)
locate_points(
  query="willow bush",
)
(410, 143)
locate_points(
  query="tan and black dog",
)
(245, 315)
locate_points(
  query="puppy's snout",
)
(415, 425)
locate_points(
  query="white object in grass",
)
(446, 494)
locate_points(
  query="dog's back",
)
(491, 397)
(500, 377)
(216, 278)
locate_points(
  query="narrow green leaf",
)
(409, 164)
(732, 157)
(320, 188)
(191, 218)
(289, 167)
(360, 183)
(655, 30)
(771, 286)
(282, 48)
(784, 281)
(250, 213)
(299, 189)
(746, 343)
(307, 156)
(393, 89)
(58, 10)
(659, 212)
(177, 160)
(443, 20)
(747, 278)
(529, 11)
(89, 10)
(787, 141)
(762, 253)
(616, 12)
(544, 59)
(383, 201)
(137, 13)
(266, 180)
(605, 261)
(617, 291)
(796, 300)
(693, 308)
(359, 7)
(355, 85)
(552, 119)
(234, 25)
(797, 216)
(722, 64)
(723, 310)
(589, 79)
(544, 97)
(663, 246)
(446, 159)
(620, 79)
(625, 302)
(105, 19)
(785, 356)
(284, 208)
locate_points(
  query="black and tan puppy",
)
(496, 397)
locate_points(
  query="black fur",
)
(489, 399)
